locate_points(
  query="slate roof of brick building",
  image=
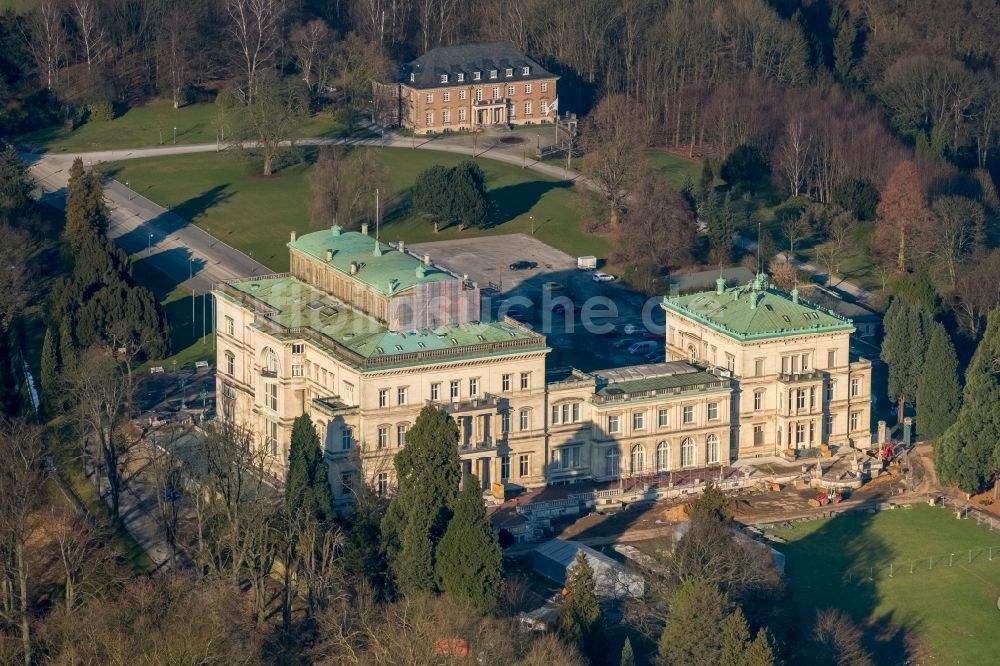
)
(467, 59)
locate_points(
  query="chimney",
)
(753, 300)
(720, 285)
(364, 228)
(427, 260)
(293, 236)
(795, 295)
(329, 255)
(354, 267)
(401, 246)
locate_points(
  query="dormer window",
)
(476, 76)
(526, 71)
(461, 77)
(509, 73)
(493, 73)
(444, 78)
(413, 77)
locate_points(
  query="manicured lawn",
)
(186, 341)
(861, 564)
(153, 125)
(675, 168)
(857, 263)
(223, 195)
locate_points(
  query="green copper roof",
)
(650, 379)
(388, 271)
(746, 313)
(293, 304)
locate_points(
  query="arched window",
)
(269, 361)
(662, 457)
(611, 462)
(638, 459)
(712, 449)
(692, 353)
(687, 452)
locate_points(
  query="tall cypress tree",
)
(939, 394)
(968, 455)
(67, 346)
(428, 475)
(49, 368)
(696, 604)
(760, 651)
(903, 349)
(580, 615)
(469, 562)
(86, 211)
(628, 655)
(307, 487)
(735, 638)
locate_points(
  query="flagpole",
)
(376, 216)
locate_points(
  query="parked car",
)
(643, 347)
(603, 277)
(624, 343)
(522, 265)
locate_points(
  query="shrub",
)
(101, 111)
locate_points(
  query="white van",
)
(644, 347)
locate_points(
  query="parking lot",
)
(584, 320)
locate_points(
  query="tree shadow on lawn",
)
(155, 229)
(839, 566)
(513, 201)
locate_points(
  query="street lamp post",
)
(532, 218)
(191, 277)
(175, 136)
(149, 244)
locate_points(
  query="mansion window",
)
(298, 348)
(800, 433)
(687, 452)
(401, 396)
(476, 76)
(730, 363)
(401, 434)
(382, 485)
(496, 92)
(637, 459)
(473, 387)
(812, 397)
(526, 71)
(800, 399)
(758, 367)
(758, 401)
(461, 112)
(429, 118)
(230, 363)
(435, 391)
(298, 370)
(346, 438)
(493, 73)
(230, 326)
(523, 466)
(525, 416)
(460, 76)
(638, 421)
(504, 468)
(527, 108)
(345, 483)
(712, 449)
(271, 436)
(855, 387)
(446, 116)
(567, 457)
(510, 91)
(855, 420)
(461, 94)
(509, 72)
(505, 383)
(663, 418)
(829, 392)
(383, 437)
(479, 94)
(527, 88)
(687, 414)
(613, 421)
(504, 422)
(611, 459)
(453, 389)
(662, 457)
(430, 98)
(713, 411)
(829, 424)
(758, 435)
(383, 397)
(525, 381)
(831, 358)
(271, 396)
(544, 87)
(444, 79)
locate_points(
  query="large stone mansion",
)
(469, 87)
(362, 335)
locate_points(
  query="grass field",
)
(861, 563)
(187, 343)
(152, 125)
(223, 195)
(678, 170)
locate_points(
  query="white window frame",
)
(383, 398)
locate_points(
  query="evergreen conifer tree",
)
(760, 651)
(86, 211)
(67, 346)
(628, 656)
(903, 348)
(49, 368)
(307, 487)
(735, 638)
(580, 615)
(696, 604)
(968, 455)
(939, 394)
(707, 176)
(469, 562)
(428, 475)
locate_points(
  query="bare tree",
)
(176, 36)
(795, 229)
(102, 396)
(255, 26)
(81, 554)
(959, 231)
(313, 46)
(22, 474)
(902, 231)
(90, 26)
(272, 115)
(612, 159)
(794, 154)
(45, 39)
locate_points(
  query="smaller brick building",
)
(470, 87)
